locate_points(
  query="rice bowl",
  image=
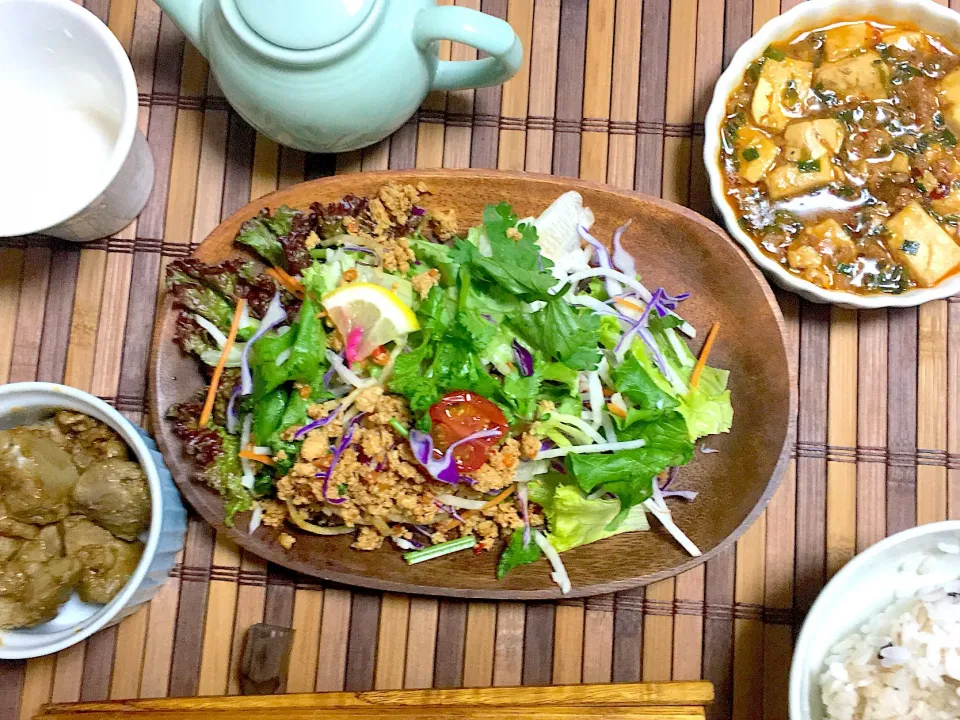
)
(883, 639)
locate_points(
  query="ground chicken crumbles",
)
(376, 482)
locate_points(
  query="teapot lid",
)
(304, 24)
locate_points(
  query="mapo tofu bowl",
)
(90, 520)
(832, 151)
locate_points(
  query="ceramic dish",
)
(928, 16)
(26, 403)
(674, 247)
(864, 587)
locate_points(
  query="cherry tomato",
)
(458, 414)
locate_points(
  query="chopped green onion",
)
(750, 154)
(845, 269)
(401, 430)
(909, 247)
(444, 548)
(809, 165)
(947, 138)
(774, 53)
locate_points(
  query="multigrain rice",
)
(903, 662)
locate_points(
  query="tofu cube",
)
(950, 205)
(861, 76)
(950, 87)
(770, 108)
(950, 97)
(952, 117)
(899, 163)
(831, 238)
(813, 139)
(919, 243)
(788, 179)
(845, 40)
(906, 40)
(756, 153)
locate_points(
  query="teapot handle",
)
(470, 27)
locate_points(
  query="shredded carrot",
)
(617, 410)
(251, 455)
(492, 503)
(221, 364)
(629, 304)
(704, 354)
(500, 498)
(284, 278)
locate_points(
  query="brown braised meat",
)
(107, 561)
(14, 528)
(36, 477)
(114, 493)
(36, 581)
(89, 440)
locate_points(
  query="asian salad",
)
(515, 388)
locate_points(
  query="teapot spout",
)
(186, 16)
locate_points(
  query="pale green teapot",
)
(336, 75)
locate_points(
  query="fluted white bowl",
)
(927, 15)
(26, 403)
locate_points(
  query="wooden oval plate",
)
(674, 247)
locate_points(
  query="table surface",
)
(610, 91)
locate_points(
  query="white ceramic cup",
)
(75, 166)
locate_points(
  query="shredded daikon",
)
(256, 517)
(598, 448)
(248, 477)
(596, 398)
(459, 502)
(218, 336)
(345, 373)
(658, 508)
(630, 282)
(559, 574)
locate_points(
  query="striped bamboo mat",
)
(611, 90)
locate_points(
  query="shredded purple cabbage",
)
(328, 376)
(233, 420)
(418, 211)
(671, 476)
(274, 316)
(688, 495)
(622, 260)
(342, 445)
(603, 260)
(524, 359)
(298, 435)
(663, 305)
(450, 510)
(443, 468)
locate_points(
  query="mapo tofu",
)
(840, 155)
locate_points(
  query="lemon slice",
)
(378, 312)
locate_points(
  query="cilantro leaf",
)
(515, 554)
(514, 263)
(562, 332)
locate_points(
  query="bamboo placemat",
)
(610, 90)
